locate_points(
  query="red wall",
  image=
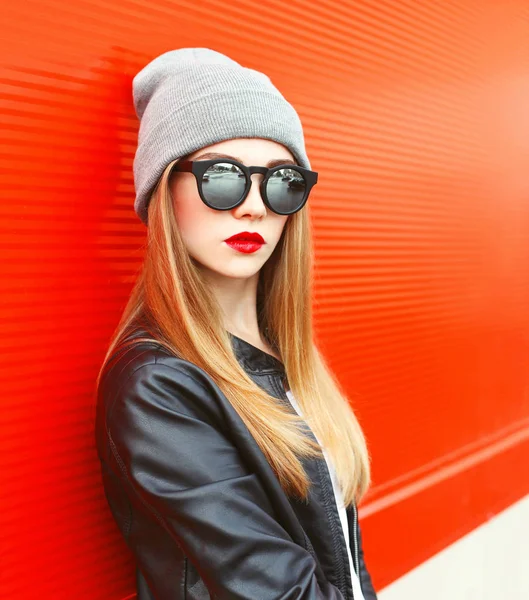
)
(416, 118)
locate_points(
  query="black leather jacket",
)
(195, 498)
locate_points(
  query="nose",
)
(253, 204)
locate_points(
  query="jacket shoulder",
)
(148, 373)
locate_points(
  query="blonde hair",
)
(171, 294)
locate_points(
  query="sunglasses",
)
(224, 183)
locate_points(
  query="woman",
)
(232, 462)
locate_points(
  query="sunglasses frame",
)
(199, 168)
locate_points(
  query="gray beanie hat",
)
(190, 98)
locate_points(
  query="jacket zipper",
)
(340, 567)
(355, 524)
(309, 545)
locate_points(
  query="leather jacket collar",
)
(254, 359)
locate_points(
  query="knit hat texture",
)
(190, 98)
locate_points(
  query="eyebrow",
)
(270, 165)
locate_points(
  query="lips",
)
(246, 236)
(245, 242)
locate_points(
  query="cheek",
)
(197, 223)
(280, 225)
(186, 203)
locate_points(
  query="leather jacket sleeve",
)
(166, 435)
(365, 578)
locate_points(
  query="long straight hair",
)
(171, 294)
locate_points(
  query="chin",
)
(238, 273)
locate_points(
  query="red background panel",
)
(415, 116)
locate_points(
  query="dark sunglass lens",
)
(223, 185)
(286, 190)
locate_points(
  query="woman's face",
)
(204, 230)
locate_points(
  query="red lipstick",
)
(245, 242)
